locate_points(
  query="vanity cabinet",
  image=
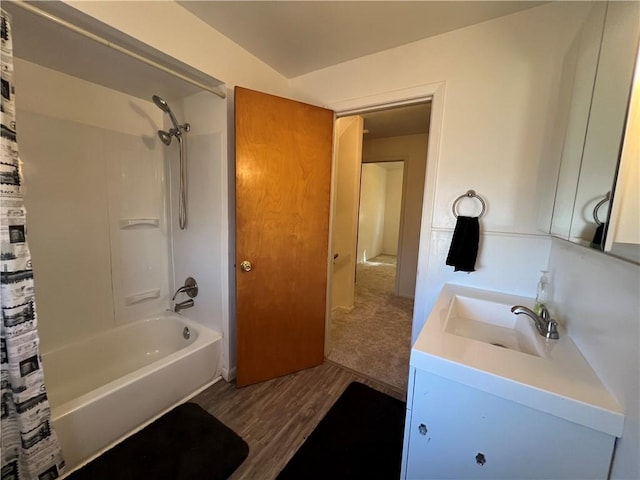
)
(484, 403)
(454, 431)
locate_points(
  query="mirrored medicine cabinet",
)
(596, 202)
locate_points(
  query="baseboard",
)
(342, 309)
(229, 374)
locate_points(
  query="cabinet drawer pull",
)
(481, 459)
(422, 428)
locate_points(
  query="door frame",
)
(381, 101)
(402, 209)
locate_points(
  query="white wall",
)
(380, 208)
(371, 220)
(500, 79)
(412, 149)
(344, 222)
(500, 84)
(175, 31)
(85, 170)
(392, 209)
(597, 297)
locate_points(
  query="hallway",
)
(374, 338)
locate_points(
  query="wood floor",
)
(275, 417)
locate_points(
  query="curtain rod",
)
(96, 38)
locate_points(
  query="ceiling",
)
(298, 37)
(293, 37)
(398, 121)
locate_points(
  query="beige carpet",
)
(374, 338)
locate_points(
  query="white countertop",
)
(560, 382)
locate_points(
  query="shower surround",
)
(103, 201)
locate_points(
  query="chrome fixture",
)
(176, 131)
(190, 287)
(165, 137)
(183, 305)
(469, 194)
(606, 198)
(546, 326)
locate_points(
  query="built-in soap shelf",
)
(133, 222)
(141, 296)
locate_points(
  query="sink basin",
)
(551, 376)
(492, 323)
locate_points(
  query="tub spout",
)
(182, 305)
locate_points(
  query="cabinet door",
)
(460, 432)
(407, 421)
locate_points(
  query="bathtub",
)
(106, 387)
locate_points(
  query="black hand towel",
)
(464, 244)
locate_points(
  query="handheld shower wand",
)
(165, 137)
(176, 131)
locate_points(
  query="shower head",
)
(161, 104)
(165, 137)
(164, 106)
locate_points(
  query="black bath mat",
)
(360, 437)
(185, 444)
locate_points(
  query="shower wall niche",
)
(102, 225)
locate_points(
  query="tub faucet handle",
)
(190, 287)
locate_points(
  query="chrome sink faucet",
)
(546, 326)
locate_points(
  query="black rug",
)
(185, 444)
(360, 437)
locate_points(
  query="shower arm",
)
(174, 120)
(178, 131)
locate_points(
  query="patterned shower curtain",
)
(30, 449)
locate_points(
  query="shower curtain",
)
(30, 448)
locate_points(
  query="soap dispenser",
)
(543, 292)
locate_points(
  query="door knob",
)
(246, 266)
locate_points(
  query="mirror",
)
(623, 234)
(597, 76)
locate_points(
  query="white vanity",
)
(491, 398)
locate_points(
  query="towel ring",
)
(469, 194)
(606, 198)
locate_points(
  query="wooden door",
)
(283, 184)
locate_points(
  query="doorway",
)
(370, 330)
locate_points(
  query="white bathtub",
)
(104, 388)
